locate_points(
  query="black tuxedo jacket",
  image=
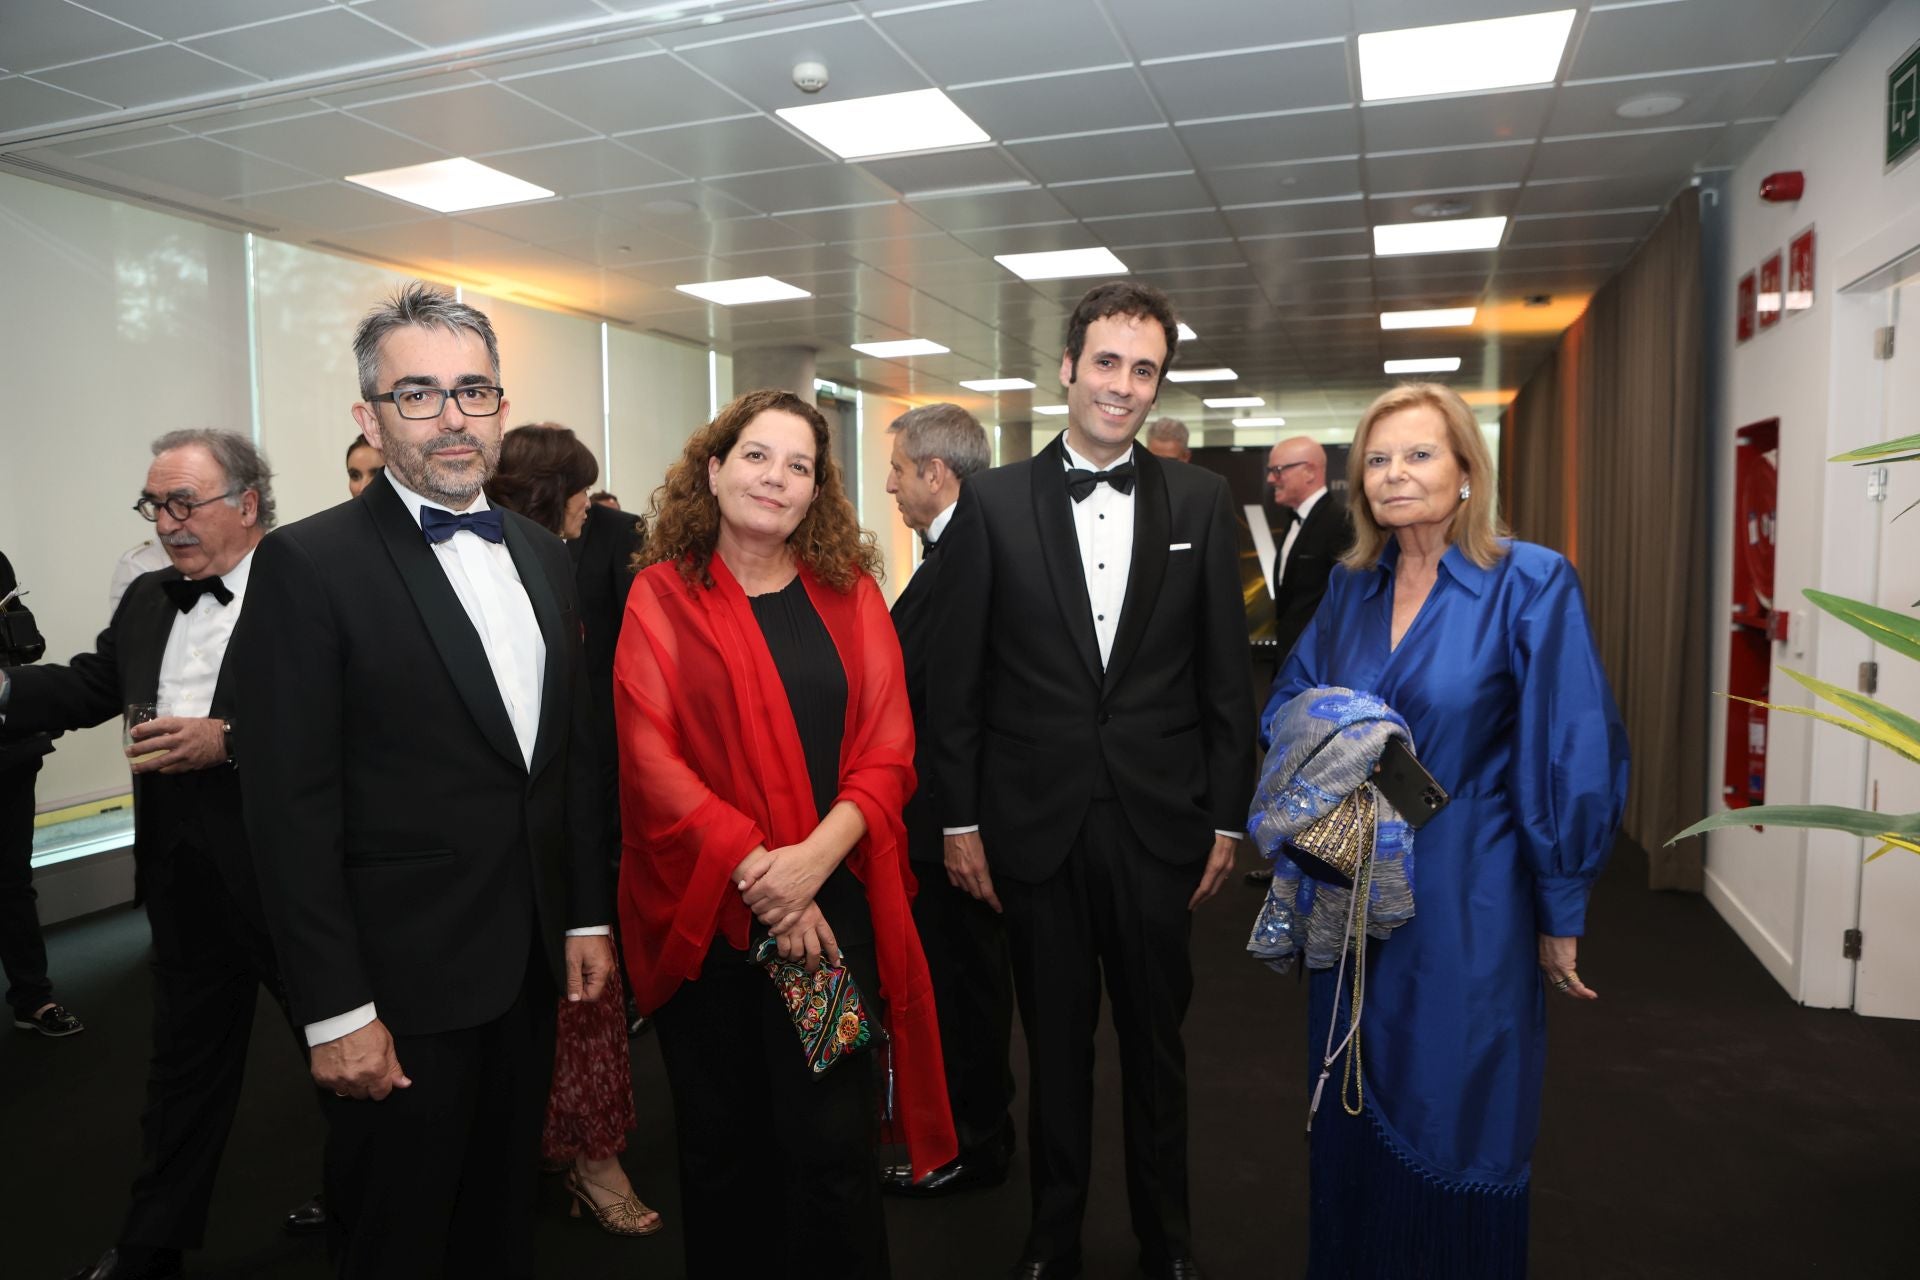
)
(17, 748)
(913, 622)
(407, 853)
(1025, 718)
(603, 574)
(125, 667)
(1324, 537)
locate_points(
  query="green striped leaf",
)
(1897, 631)
(1907, 445)
(1826, 817)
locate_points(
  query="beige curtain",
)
(1604, 458)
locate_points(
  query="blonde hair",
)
(1475, 527)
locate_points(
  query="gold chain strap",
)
(1351, 1080)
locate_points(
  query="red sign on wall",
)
(1744, 307)
(1768, 301)
(1799, 295)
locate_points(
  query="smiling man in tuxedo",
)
(421, 796)
(1094, 758)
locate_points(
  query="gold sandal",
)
(626, 1218)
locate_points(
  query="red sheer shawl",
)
(711, 765)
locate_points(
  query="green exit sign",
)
(1903, 106)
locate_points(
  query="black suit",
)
(1324, 537)
(603, 573)
(23, 951)
(210, 948)
(1097, 790)
(410, 857)
(965, 944)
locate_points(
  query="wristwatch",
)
(226, 733)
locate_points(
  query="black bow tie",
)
(186, 592)
(1081, 482)
(927, 546)
(440, 525)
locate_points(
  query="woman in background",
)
(545, 474)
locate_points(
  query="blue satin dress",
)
(1510, 710)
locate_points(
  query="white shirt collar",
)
(235, 579)
(1307, 506)
(938, 525)
(414, 501)
(1075, 460)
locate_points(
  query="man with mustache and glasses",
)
(1094, 758)
(210, 497)
(422, 796)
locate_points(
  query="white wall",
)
(122, 324)
(1790, 893)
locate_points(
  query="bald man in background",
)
(1318, 534)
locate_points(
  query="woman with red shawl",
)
(766, 750)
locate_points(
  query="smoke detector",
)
(1451, 207)
(1648, 105)
(809, 77)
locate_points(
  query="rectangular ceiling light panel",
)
(1259, 422)
(736, 293)
(1463, 57)
(450, 186)
(1187, 334)
(900, 350)
(1051, 410)
(889, 124)
(996, 384)
(1234, 402)
(1435, 364)
(1201, 375)
(1062, 264)
(1439, 318)
(1452, 235)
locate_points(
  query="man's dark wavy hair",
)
(1122, 298)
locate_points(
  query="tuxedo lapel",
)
(554, 706)
(446, 620)
(146, 638)
(1060, 550)
(1152, 520)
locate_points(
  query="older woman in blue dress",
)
(1477, 649)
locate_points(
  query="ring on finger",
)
(1563, 982)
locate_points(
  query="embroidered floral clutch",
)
(826, 1008)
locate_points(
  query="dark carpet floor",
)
(1698, 1124)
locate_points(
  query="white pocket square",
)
(1181, 546)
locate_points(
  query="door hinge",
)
(1850, 944)
(1877, 482)
(1869, 678)
(1883, 343)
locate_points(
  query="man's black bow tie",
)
(440, 525)
(186, 592)
(1081, 482)
(927, 545)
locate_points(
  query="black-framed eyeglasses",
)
(176, 506)
(1274, 473)
(476, 400)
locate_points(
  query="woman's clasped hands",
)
(777, 886)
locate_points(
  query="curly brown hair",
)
(685, 518)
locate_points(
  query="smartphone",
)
(1407, 785)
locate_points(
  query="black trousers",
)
(777, 1170)
(438, 1179)
(211, 955)
(966, 947)
(1114, 909)
(23, 952)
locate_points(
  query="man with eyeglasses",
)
(422, 799)
(1318, 534)
(209, 495)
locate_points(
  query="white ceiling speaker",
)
(1648, 105)
(809, 77)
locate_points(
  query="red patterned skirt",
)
(590, 1108)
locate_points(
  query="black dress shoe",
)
(308, 1218)
(969, 1172)
(131, 1262)
(1046, 1268)
(1172, 1269)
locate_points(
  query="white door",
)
(1887, 980)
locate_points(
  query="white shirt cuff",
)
(959, 831)
(1232, 835)
(341, 1024)
(592, 931)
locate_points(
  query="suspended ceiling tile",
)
(1160, 29)
(1392, 15)
(1149, 149)
(146, 77)
(1300, 135)
(332, 206)
(219, 122)
(103, 142)
(1045, 238)
(1152, 194)
(1160, 228)
(1269, 183)
(1485, 202)
(604, 49)
(1783, 88)
(1712, 96)
(748, 145)
(1562, 257)
(411, 86)
(820, 186)
(471, 120)
(1636, 153)
(1514, 116)
(176, 21)
(1349, 243)
(861, 64)
(749, 235)
(1433, 266)
(1836, 28)
(973, 167)
(953, 43)
(1076, 102)
(438, 24)
(549, 222)
(573, 168)
(866, 222)
(45, 33)
(1627, 224)
(326, 40)
(1694, 33)
(673, 210)
(1582, 194)
(1734, 144)
(1192, 256)
(904, 254)
(991, 209)
(1288, 79)
(195, 164)
(647, 92)
(26, 103)
(331, 144)
(1305, 215)
(1314, 269)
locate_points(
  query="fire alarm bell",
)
(1780, 188)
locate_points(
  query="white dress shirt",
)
(483, 576)
(197, 645)
(938, 525)
(1103, 525)
(1300, 519)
